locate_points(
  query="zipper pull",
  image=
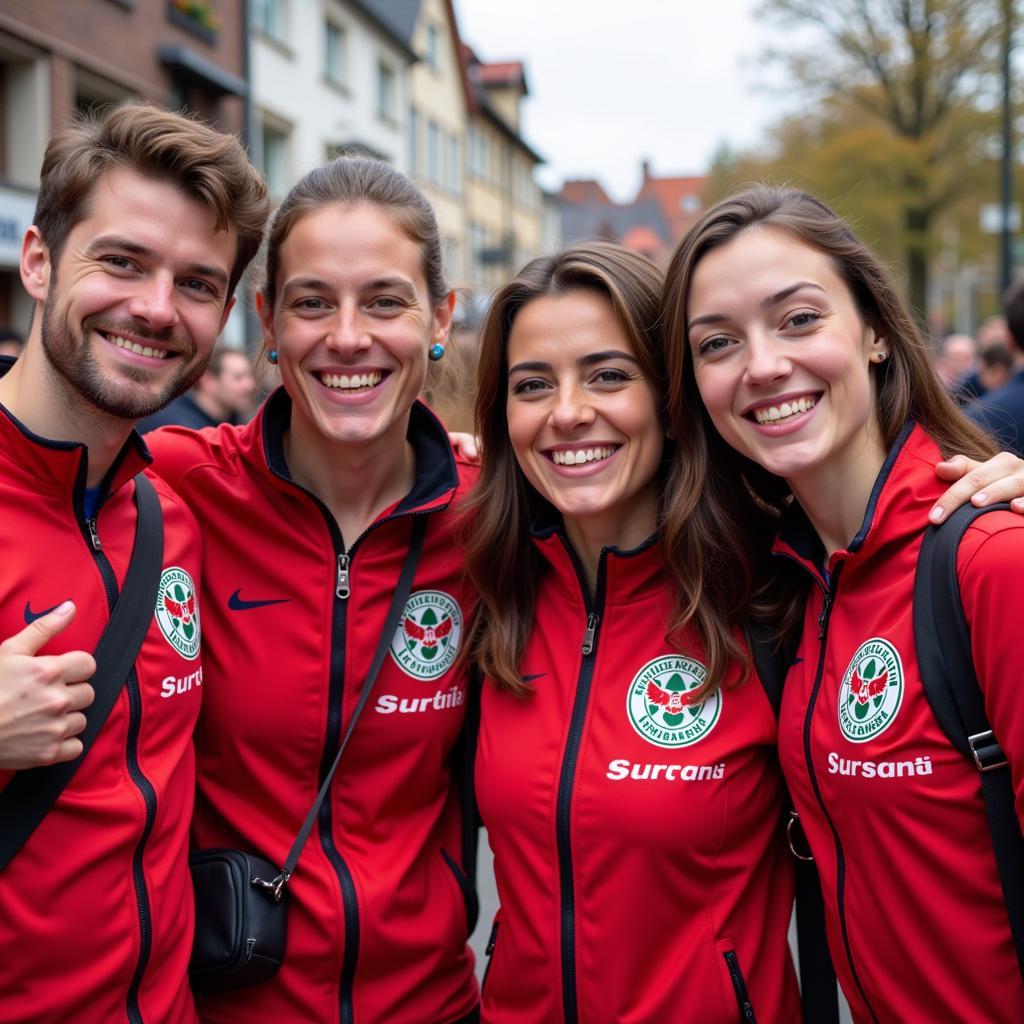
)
(492, 940)
(588, 637)
(94, 534)
(826, 606)
(342, 588)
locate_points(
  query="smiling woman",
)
(309, 513)
(801, 382)
(596, 681)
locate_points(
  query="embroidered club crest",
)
(871, 692)
(427, 640)
(177, 612)
(660, 708)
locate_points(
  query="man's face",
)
(133, 307)
(236, 385)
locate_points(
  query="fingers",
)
(466, 446)
(68, 750)
(999, 479)
(39, 631)
(80, 696)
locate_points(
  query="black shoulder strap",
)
(275, 887)
(28, 797)
(819, 993)
(946, 664)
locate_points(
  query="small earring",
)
(880, 357)
(272, 356)
(436, 352)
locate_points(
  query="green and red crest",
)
(871, 692)
(427, 640)
(177, 612)
(660, 706)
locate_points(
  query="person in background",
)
(144, 224)
(996, 366)
(802, 383)
(957, 359)
(12, 343)
(224, 394)
(993, 331)
(1001, 412)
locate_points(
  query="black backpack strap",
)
(819, 993)
(946, 665)
(28, 797)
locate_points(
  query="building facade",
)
(328, 77)
(59, 58)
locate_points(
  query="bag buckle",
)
(987, 753)
(793, 828)
(274, 889)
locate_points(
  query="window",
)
(271, 18)
(414, 141)
(385, 92)
(433, 54)
(690, 204)
(454, 165)
(334, 53)
(477, 153)
(274, 158)
(434, 151)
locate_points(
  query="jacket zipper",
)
(739, 984)
(823, 623)
(489, 953)
(90, 532)
(335, 694)
(567, 779)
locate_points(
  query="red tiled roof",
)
(584, 190)
(643, 238)
(674, 197)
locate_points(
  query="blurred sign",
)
(16, 211)
(991, 218)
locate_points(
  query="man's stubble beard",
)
(70, 354)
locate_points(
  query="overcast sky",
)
(613, 83)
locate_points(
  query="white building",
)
(327, 77)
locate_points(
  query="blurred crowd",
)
(985, 373)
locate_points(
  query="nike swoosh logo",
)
(31, 616)
(530, 679)
(237, 604)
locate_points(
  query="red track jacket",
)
(379, 903)
(636, 838)
(893, 813)
(96, 908)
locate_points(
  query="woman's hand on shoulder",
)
(467, 447)
(1001, 478)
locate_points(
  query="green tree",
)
(907, 118)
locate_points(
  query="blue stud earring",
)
(436, 351)
(272, 356)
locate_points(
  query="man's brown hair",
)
(205, 164)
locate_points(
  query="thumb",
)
(40, 631)
(954, 468)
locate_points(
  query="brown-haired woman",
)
(797, 369)
(308, 515)
(634, 810)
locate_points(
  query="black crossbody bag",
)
(241, 906)
(28, 797)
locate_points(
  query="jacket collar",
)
(624, 575)
(40, 464)
(897, 510)
(436, 473)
